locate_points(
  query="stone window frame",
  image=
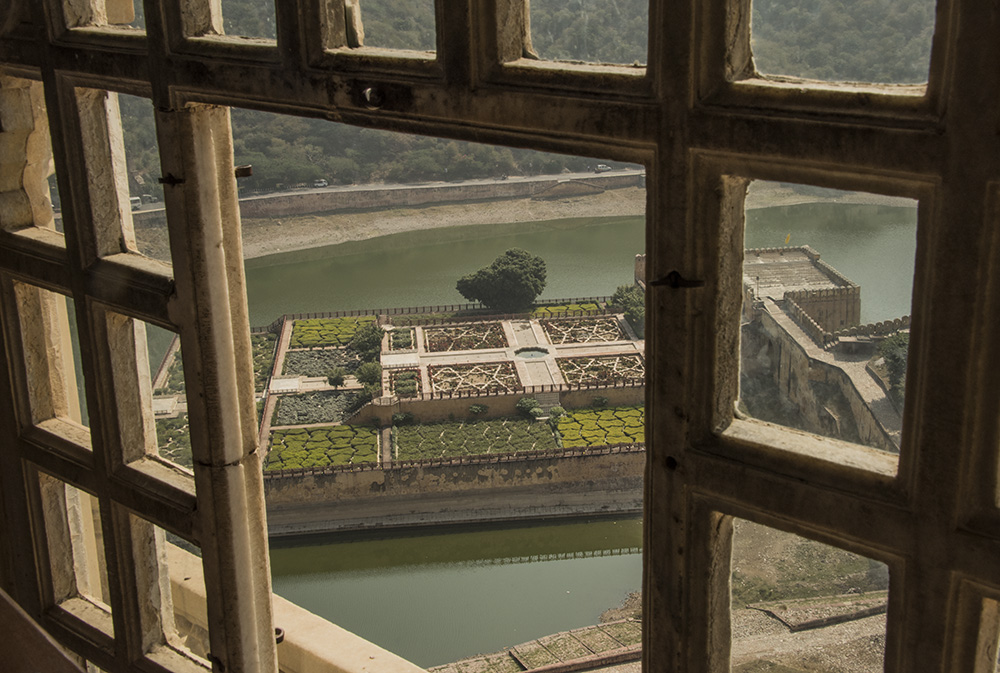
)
(698, 117)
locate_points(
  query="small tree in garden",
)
(335, 377)
(633, 302)
(367, 341)
(511, 283)
(369, 374)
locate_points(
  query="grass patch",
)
(600, 427)
(471, 438)
(326, 331)
(322, 447)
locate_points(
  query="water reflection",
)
(436, 597)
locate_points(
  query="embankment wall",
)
(502, 489)
(399, 197)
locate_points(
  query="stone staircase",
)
(547, 400)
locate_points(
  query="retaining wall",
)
(396, 197)
(442, 407)
(508, 488)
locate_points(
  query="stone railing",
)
(420, 310)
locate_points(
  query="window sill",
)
(311, 644)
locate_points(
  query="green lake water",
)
(438, 597)
(435, 598)
(872, 245)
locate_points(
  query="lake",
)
(439, 596)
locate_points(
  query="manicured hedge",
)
(321, 447)
(405, 382)
(600, 427)
(471, 438)
(326, 331)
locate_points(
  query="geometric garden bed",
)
(607, 369)
(483, 377)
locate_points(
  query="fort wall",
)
(832, 309)
(795, 372)
(500, 488)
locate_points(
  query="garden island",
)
(508, 408)
(398, 407)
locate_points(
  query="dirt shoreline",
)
(262, 237)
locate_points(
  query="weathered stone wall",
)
(510, 488)
(833, 309)
(795, 370)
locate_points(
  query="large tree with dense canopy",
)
(511, 283)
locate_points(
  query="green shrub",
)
(525, 405)
(600, 401)
(478, 409)
(402, 418)
(335, 377)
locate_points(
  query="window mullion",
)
(203, 219)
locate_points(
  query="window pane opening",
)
(356, 242)
(592, 31)
(250, 18)
(395, 25)
(75, 545)
(173, 609)
(142, 159)
(859, 42)
(150, 391)
(166, 370)
(51, 348)
(803, 605)
(827, 278)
